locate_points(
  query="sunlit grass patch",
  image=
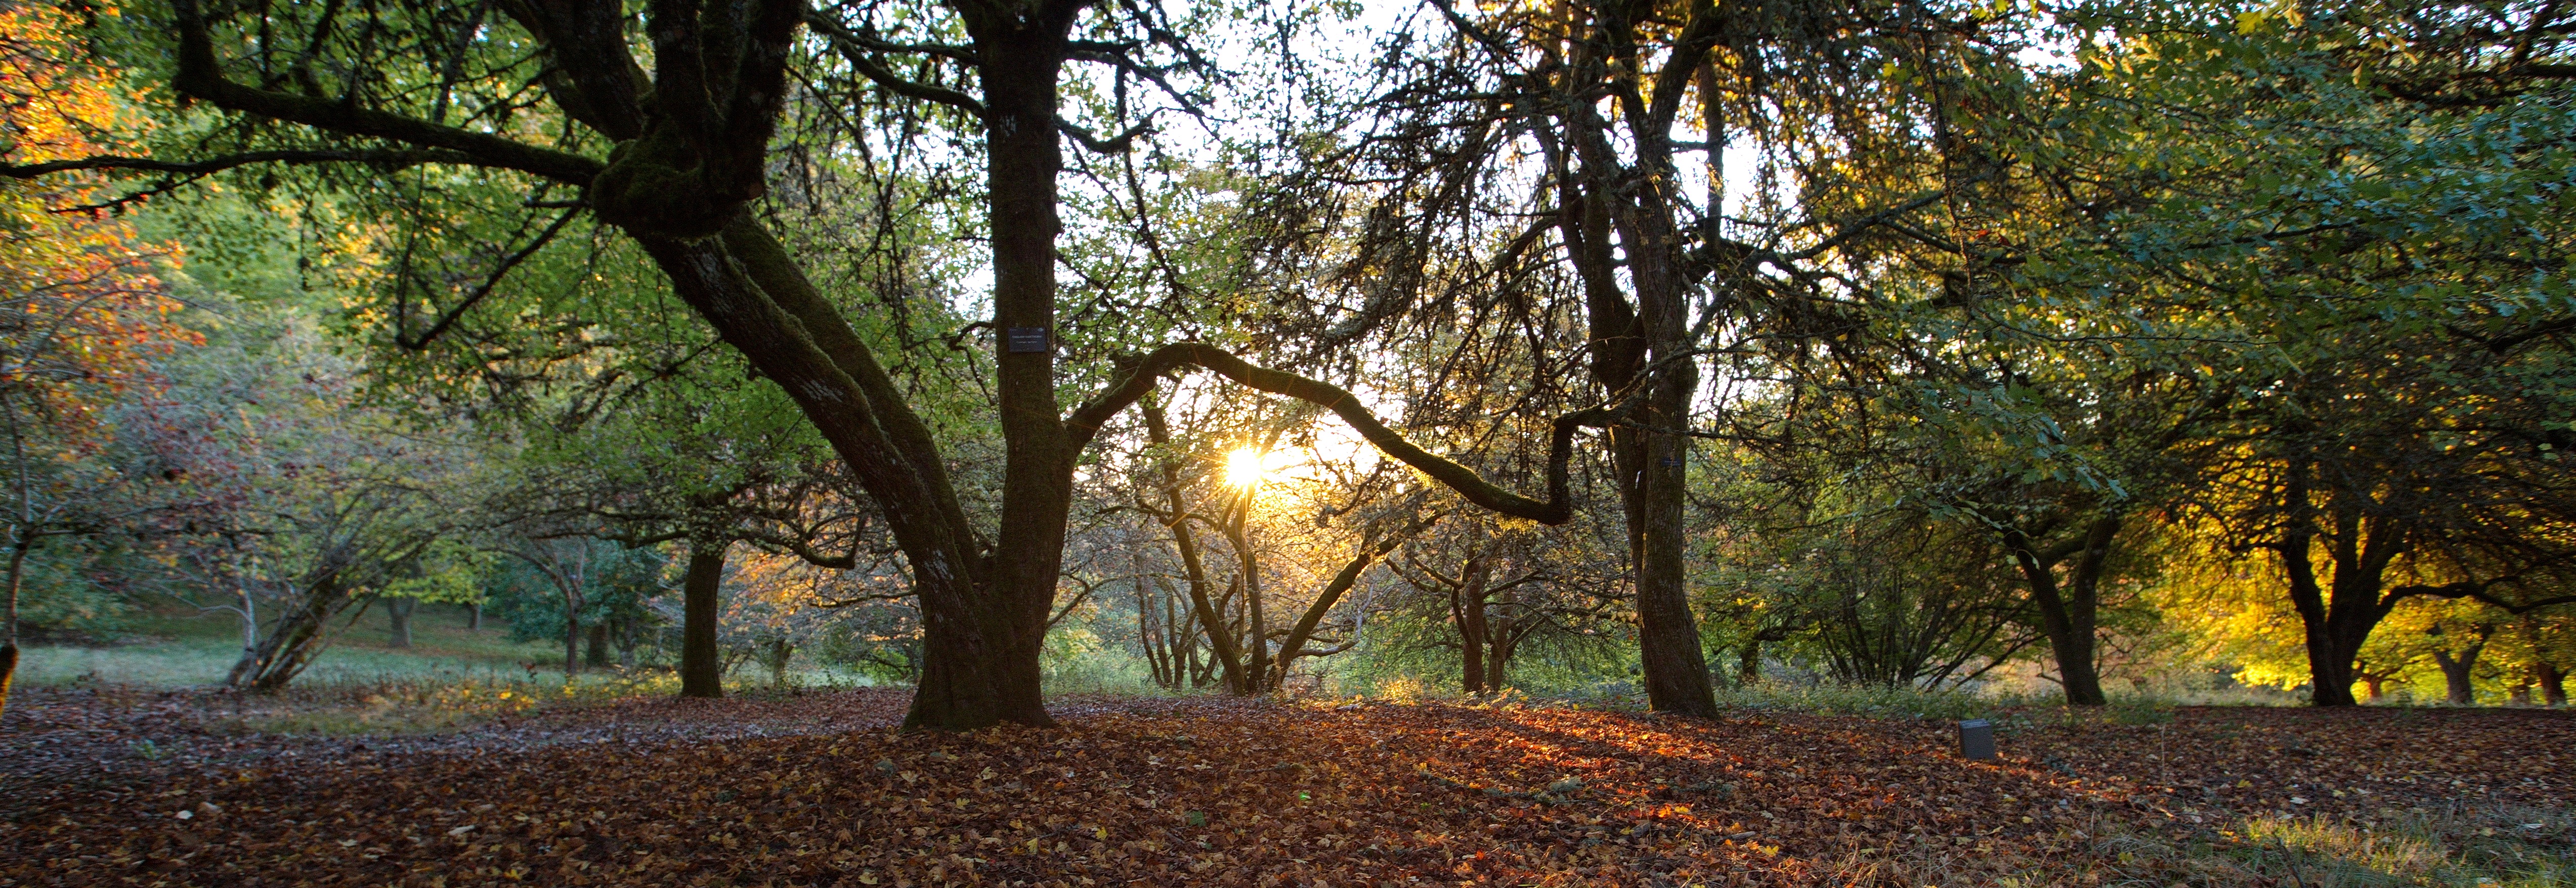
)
(2490, 847)
(2505, 847)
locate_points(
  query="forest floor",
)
(109, 786)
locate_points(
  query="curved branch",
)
(856, 49)
(1140, 380)
(2476, 591)
(832, 29)
(200, 76)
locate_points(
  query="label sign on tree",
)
(1026, 340)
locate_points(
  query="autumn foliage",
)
(84, 310)
(80, 310)
(1241, 792)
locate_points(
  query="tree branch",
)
(856, 48)
(1118, 144)
(214, 165)
(200, 76)
(1557, 509)
(2476, 591)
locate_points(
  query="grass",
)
(2486, 847)
(361, 686)
(186, 650)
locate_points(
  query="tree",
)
(691, 142)
(301, 500)
(81, 312)
(2383, 409)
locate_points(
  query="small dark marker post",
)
(1977, 740)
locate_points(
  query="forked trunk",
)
(2459, 671)
(2068, 614)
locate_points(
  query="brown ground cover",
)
(819, 790)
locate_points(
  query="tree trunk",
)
(2455, 674)
(1256, 648)
(1018, 63)
(1630, 339)
(572, 642)
(474, 617)
(2553, 684)
(2330, 670)
(1472, 632)
(301, 635)
(2374, 682)
(2068, 615)
(746, 286)
(9, 642)
(1748, 663)
(779, 654)
(398, 622)
(702, 606)
(1471, 659)
(2459, 671)
(1226, 656)
(1676, 670)
(2337, 618)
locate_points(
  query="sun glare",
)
(1245, 467)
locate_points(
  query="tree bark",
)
(701, 609)
(2553, 684)
(1019, 58)
(1498, 665)
(301, 635)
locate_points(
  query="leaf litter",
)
(820, 789)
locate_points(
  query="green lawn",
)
(178, 650)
